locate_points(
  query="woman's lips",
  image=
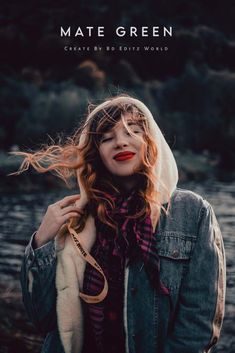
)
(124, 156)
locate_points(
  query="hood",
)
(165, 168)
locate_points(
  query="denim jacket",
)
(192, 259)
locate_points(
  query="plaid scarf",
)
(134, 237)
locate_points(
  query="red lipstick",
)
(122, 156)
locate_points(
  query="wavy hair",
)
(63, 160)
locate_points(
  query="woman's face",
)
(121, 151)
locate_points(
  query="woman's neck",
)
(127, 183)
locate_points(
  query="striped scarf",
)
(133, 237)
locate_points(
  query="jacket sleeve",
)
(38, 285)
(201, 303)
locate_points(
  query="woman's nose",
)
(120, 140)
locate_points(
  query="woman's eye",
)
(106, 139)
(134, 131)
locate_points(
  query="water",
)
(21, 215)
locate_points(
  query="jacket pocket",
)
(174, 250)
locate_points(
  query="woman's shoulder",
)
(184, 213)
(189, 198)
(187, 205)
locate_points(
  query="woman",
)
(131, 264)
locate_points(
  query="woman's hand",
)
(56, 215)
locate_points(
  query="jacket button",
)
(134, 290)
(175, 253)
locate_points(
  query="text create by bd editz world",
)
(146, 48)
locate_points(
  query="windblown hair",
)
(63, 160)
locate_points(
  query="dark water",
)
(21, 214)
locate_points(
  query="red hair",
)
(63, 160)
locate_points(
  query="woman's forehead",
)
(124, 119)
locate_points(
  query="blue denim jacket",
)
(189, 320)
